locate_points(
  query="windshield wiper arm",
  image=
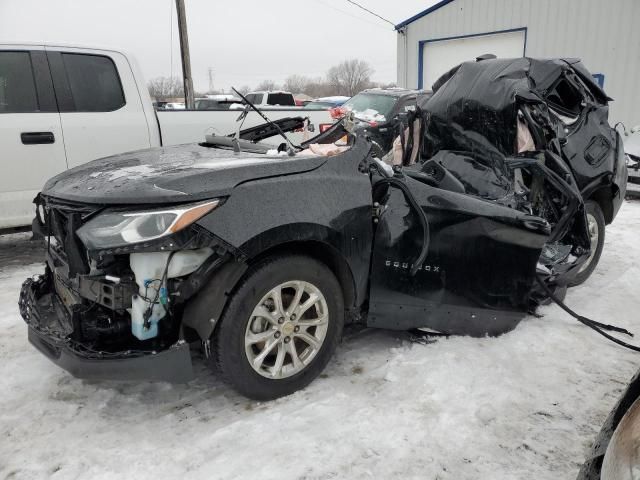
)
(292, 147)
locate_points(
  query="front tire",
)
(280, 327)
(596, 225)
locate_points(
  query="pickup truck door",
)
(477, 274)
(30, 132)
(101, 108)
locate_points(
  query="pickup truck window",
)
(94, 82)
(17, 85)
(282, 99)
(255, 98)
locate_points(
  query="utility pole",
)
(210, 80)
(184, 54)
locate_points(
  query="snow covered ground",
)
(525, 405)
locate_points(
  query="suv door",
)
(479, 267)
(30, 132)
(100, 107)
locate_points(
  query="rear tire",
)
(263, 349)
(596, 224)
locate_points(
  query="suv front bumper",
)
(49, 332)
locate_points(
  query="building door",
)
(440, 55)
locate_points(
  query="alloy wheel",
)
(287, 329)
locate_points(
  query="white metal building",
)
(605, 34)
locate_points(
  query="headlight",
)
(117, 229)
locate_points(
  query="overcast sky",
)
(243, 41)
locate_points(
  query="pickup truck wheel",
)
(280, 328)
(596, 225)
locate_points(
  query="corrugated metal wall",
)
(605, 34)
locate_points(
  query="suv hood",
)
(181, 173)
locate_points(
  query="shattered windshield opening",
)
(371, 107)
(565, 98)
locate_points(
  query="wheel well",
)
(323, 253)
(604, 198)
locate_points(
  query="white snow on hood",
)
(133, 172)
(243, 162)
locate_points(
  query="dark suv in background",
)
(378, 110)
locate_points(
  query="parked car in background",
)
(209, 103)
(377, 111)
(326, 102)
(632, 149)
(301, 99)
(62, 106)
(174, 106)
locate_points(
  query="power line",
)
(372, 13)
(375, 24)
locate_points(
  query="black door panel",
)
(478, 272)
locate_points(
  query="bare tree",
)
(319, 87)
(162, 88)
(350, 77)
(267, 85)
(296, 84)
(244, 89)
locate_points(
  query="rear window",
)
(17, 85)
(283, 99)
(94, 82)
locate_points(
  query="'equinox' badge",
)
(407, 266)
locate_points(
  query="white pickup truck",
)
(61, 106)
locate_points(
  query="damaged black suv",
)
(507, 176)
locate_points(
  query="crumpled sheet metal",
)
(474, 106)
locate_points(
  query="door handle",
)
(35, 138)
